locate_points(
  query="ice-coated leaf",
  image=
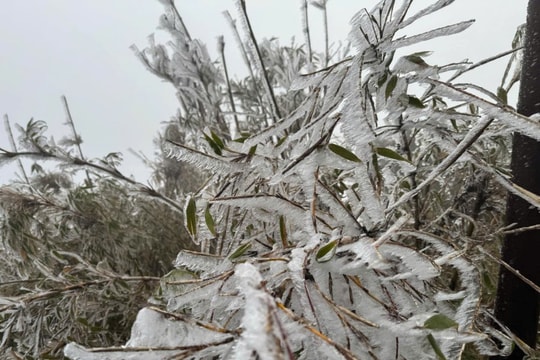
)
(213, 144)
(389, 153)
(209, 221)
(426, 11)
(502, 94)
(416, 59)
(191, 216)
(199, 159)
(239, 251)
(442, 31)
(390, 86)
(419, 265)
(344, 153)
(436, 347)
(326, 252)
(415, 102)
(440, 322)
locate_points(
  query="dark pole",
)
(517, 304)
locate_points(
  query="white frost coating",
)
(150, 330)
(529, 126)
(198, 262)
(76, 352)
(466, 311)
(367, 254)
(201, 160)
(426, 11)
(284, 124)
(418, 264)
(462, 147)
(370, 200)
(259, 329)
(153, 330)
(443, 31)
(269, 203)
(442, 296)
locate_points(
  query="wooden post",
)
(517, 304)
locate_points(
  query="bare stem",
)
(259, 60)
(76, 137)
(305, 29)
(221, 48)
(7, 125)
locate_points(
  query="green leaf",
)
(281, 141)
(326, 252)
(439, 322)
(283, 230)
(344, 153)
(179, 274)
(390, 86)
(191, 217)
(36, 168)
(239, 251)
(436, 347)
(416, 59)
(405, 185)
(213, 144)
(252, 150)
(217, 140)
(242, 138)
(209, 221)
(416, 102)
(382, 79)
(502, 94)
(382, 151)
(422, 53)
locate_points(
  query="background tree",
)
(83, 248)
(518, 304)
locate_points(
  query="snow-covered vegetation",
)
(346, 204)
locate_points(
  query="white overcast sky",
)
(80, 49)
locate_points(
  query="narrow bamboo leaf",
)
(191, 217)
(326, 252)
(416, 102)
(422, 53)
(436, 347)
(213, 144)
(382, 79)
(405, 185)
(242, 138)
(344, 153)
(281, 141)
(416, 59)
(239, 251)
(439, 322)
(382, 151)
(209, 221)
(502, 94)
(283, 231)
(217, 140)
(390, 86)
(252, 150)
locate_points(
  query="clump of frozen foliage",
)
(342, 205)
(345, 202)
